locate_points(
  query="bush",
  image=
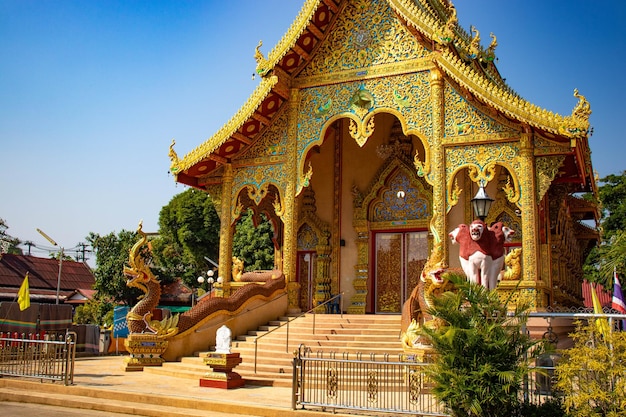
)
(94, 312)
(480, 351)
(592, 374)
(551, 408)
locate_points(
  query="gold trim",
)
(503, 99)
(289, 39)
(227, 130)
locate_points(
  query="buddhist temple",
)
(374, 126)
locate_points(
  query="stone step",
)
(265, 375)
(351, 335)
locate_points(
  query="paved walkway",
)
(107, 373)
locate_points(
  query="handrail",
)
(340, 296)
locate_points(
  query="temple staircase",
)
(275, 343)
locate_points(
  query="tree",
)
(591, 374)
(8, 244)
(189, 231)
(613, 197)
(254, 245)
(610, 255)
(111, 255)
(480, 351)
(94, 312)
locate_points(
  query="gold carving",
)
(361, 132)
(547, 167)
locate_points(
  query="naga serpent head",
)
(435, 266)
(138, 274)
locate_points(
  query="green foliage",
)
(550, 408)
(611, 253)
(613, 197)
(8, 244)
(111, 255)
(253, 244)
(189, 231)
(94, 312)
(481, 351)
(592, 374)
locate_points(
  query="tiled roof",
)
(43, 274)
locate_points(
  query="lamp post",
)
(49, 239)
(481, 202)
(210, 280)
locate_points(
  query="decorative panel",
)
(367, 33)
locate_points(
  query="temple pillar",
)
(531, 280)
(437, 174)
(226, 235)
(290, 216)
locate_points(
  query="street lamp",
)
(49, 239)
(481, 202)
(210, 280)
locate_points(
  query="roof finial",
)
(261, 62)
(446, 35)
(582, 109)
(173, 157)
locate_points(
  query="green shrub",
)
(592, 374)
(481, 350)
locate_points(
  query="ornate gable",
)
(367, 33)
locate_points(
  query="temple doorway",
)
(399, 257)
(306, 279)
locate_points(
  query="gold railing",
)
(373, 383)
(41, 358)
(383, 384)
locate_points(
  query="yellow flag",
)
(23, 295)
(602, 323)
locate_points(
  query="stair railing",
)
(325, 304)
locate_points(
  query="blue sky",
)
(93, 92)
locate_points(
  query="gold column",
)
(290, 217)
(530, 276)
(322, 276)
(437, 175)
(361, 269)
(226, 236)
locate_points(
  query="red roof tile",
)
(43, 274)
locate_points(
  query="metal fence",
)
(382, 384)
(43, 357)
(400, 385)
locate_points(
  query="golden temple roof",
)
(456, 53)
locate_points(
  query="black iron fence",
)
(48, 357)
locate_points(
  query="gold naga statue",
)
(140, 276)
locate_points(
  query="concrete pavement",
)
(102, 385)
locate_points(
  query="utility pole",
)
(30, 245)
(83, 250)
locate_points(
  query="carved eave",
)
(585, 233)
(482, 80)
(582, 209)
(291, 53)
(231, 138)
(289, 43)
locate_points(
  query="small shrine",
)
(222, 362)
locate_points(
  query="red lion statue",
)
(482, 250)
